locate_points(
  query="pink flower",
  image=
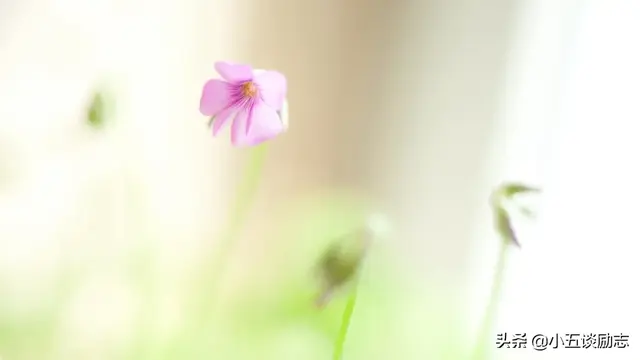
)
(253, 100)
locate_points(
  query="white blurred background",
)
(425, 105)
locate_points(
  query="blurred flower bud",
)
(503, 226)
(502, 220)
(508, 190)
(97, 112)
(341, 261)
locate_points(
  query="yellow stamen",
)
(249, 89)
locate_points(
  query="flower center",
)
(249, 89)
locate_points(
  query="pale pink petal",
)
(215, 97)
(234, 73)
(265, 125)
(221, 120)
(273, 88)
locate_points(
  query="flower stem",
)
(341, 339)
(490, 314)
(243, 201)
(208, 286)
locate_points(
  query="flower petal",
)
(221, 120)
(234, 73)
(265, 125)
(273, 88)
(215, 97)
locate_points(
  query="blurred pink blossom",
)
(253, 100)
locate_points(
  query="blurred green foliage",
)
(99, 110)
(275, 318)
(393, 317)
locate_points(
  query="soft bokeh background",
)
(413, 109)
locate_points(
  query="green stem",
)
(341, 339)
(208, 286)
(490, 314)
(244, 198)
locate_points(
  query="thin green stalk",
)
(341, 339)
(207, 288)
(490, 314)
(242, 204)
